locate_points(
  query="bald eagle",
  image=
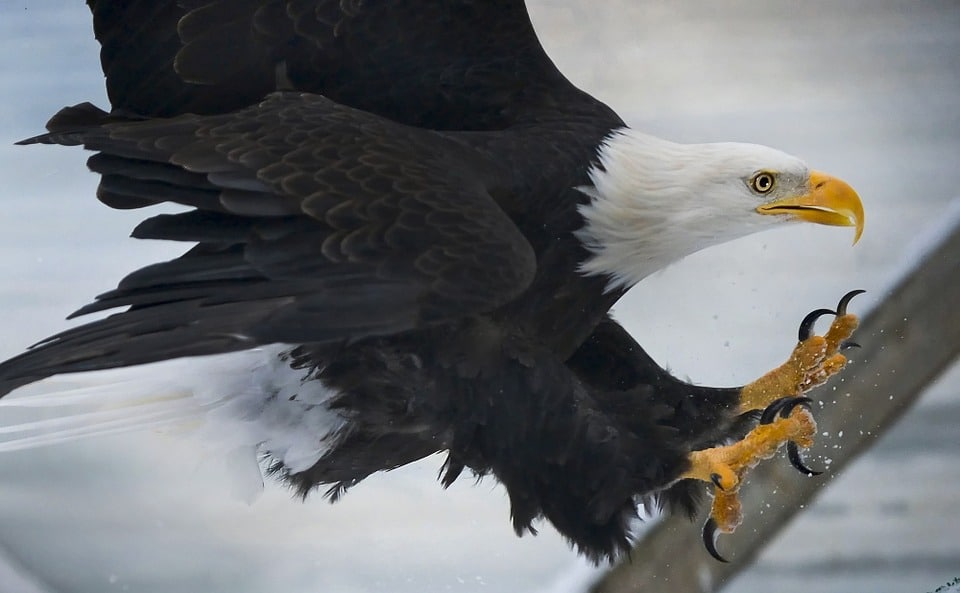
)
(408, 229)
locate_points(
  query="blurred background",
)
(868, 90)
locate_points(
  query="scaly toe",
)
(841, 329)
(810, 353)
(726, 514)
(711, 465)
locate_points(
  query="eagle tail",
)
(241, 406)
(70, 412)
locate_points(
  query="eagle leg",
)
(790, 422)
(814, 359)
(786, 418)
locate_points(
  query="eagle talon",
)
(783, 407)
(717, 480)
(796, 460)
(793, 450)
(778, 395)
(845, 300)
(806, 326)
(771, 412)
(727, 465)
(815, 359)
(787, 407)
(711, 534)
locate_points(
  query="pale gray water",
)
(868, 90)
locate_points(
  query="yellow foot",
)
(787, 421)
(814, 360)
(786, 418)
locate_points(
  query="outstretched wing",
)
(441, 64)
(314, 222)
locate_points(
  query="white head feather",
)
(655, 202)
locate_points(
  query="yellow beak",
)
(830, 201)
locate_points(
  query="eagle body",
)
(407, 231)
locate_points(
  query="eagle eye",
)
(762, 182)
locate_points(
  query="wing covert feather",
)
(315, 222)
(168, 57)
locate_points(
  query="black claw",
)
(715, 478)
(792, 402)
(848, 344)
(797, 461)
(710, 535)
(806, 326)
(842, 305)
(793, 452)
(769, 413)
(783, 407)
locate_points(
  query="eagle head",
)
(654, 202)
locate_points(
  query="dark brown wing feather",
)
(442, 64)
(315, 222)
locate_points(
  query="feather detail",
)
(242, 405)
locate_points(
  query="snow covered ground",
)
(868, 90)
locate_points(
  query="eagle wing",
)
(446, 64)
(314, 222)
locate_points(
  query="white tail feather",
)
(239, 403)
(103, 394)
(67, 435)
(106, 418)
